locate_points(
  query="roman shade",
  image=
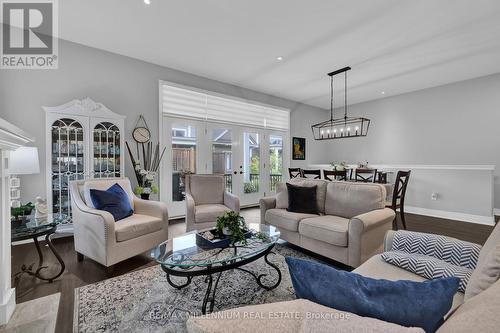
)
(192, 103)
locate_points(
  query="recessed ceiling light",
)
(279, 58)
(383, 92)
(147, 2)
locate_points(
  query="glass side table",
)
(32, 229)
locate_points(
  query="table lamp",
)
(23, 161)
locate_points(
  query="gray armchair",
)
(207, 199)
(100, 238)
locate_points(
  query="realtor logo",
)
(28, 30)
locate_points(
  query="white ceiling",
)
(395, 46)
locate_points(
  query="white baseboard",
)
(479, 219)
(7, 308)
(496, 211)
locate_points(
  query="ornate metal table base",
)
(213, 282)
(37, 272)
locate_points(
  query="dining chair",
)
(335, 175)
(314, 174)
(398, 197)
(365, 175)
(295, 172)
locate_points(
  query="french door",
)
(252, 160)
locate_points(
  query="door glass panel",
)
(222, 155)
(275, 161)
(251, 162)
(183, 157)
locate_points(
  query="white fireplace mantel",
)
(11, 138)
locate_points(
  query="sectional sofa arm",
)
(265, 204)
(232, 201)
(157, 209)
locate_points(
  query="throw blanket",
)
(433, 256)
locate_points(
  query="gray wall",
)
(126, 86)
(452, 124)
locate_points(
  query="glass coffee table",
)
(183, 257)
(32, 228)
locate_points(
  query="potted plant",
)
(147, 169)
(232, 224)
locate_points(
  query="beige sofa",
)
(207, 199)
(350, 228)
(100, 238)
(476, 311)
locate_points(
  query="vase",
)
(226, 231)
(145, 196)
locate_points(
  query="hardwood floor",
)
(82, 273)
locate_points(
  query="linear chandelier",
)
(340, 128)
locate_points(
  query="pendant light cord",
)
(331, 97)
(345, 95)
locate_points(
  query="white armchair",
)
(100, 238)
(207, 199)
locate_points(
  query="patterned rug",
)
(143, 301)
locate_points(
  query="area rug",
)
(143, 301)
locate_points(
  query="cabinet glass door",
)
(68, 156)
(106, 150)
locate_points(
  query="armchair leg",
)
(79, 257)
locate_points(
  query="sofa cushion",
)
(302, 199)
(484, 260)
(299, 315)
(104, 184)
(207, 189)
(320, 189)
(281, 196)
(377, 268)
(406, 303)
(351, 199)
(484, 275)
(428, 267)
(327, 228)
(209, 213)
(135, 226)
(281, 218)
(114, 201)
(451, 250)
(478, 314)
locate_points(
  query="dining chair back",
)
(314, 174)
(335, 175)
(295, 172)
(398, 195)
(365, 175)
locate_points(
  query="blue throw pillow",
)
(114, 200)
(407, 303)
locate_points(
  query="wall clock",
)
(141, 134)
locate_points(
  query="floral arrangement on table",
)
(147, 169)
(339, 166)
(232, 224)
